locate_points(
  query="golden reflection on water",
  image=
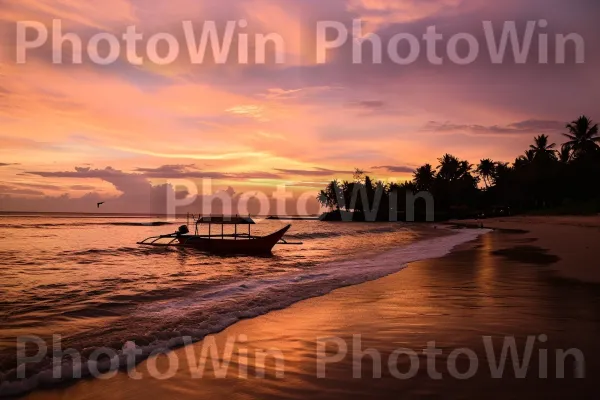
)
(486, 270)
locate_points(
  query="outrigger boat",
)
(236, 243)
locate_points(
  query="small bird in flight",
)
(99, 204)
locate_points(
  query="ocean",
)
(85, 278)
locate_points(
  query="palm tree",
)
(464, 169)
(542, 149)
(329, 197)
(565, 154)
(583, 136)
(424, 177)
(486, 170)
(409, 186)
(501, 172)
(452, 169)
(525, 159)
(529, 155)
(448, 169)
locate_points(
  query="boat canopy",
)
(226, 220)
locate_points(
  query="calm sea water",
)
(86, 279)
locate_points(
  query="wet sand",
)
(573, 239)
(501, 285)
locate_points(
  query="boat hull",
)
(254, 245)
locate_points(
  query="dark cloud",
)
(523, 127)
(536, 125)
(137, 193)
(191, 171)
(166, 170)
(6, 164)
(315, 172)
(80, 172)
(311, 185)
(179, 171)
(397, 169)
(137, 186)
(127, 183)
(253, 175)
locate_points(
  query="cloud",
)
(386, 12)
(82, 187)
(126, 183)
(138, 194)
(397, 169)
(315, 172)
(7, 164)
(190, 171)
(41, 186)
(523, 127)
(253, 175)
(136, 185)
(278, 93)
(535, 125)
(11, 190)
(177, 171)
(252, 111)
(80, 172)
(305, 93)
(72, 12)
(367, 104)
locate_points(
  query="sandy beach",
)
(573, 239)
(503, 286)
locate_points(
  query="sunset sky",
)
(74, 134)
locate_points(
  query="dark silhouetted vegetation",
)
(545, 179)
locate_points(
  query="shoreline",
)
(405, 309)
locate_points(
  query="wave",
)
(325, 235)
(115, 252)
(155, 223)
(165, 324)
(83, 224)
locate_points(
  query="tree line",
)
(545, 179)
